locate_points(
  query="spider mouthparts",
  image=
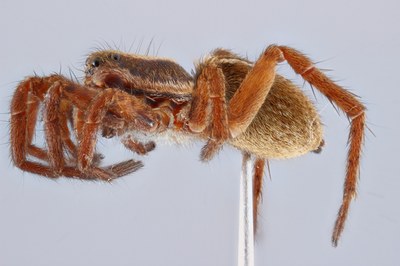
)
(147, 120)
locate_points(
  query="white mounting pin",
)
(246, 221)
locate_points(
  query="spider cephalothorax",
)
(141, 99)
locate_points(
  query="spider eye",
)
(116, 57)
(96, 62)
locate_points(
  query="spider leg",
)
(247, 100)
(259, 165)
(124, 168)
(113, 125)
(24, 109)
(353, 108)
(200, 111)
(78, 120)
(232, 119)
(32, 107)
(68, 144)
(118, 102)
(37, 152)
(83, 123)
(56, 113)
(137, 146)
(209, 97)
(51, 118)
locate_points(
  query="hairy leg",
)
(211, 113)
(130, 109)
(25, 103)
(259, 165)
(24, 109)
(353, 108)
(137, 146)
(209, 109)
(51, 118)
(247, 100)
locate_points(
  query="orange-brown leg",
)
(78, 119)
(37, 152)
(259, 165)
(247, 100)
(65, 119)
(51, 118)
(127, 107)
(209, 109)
(31, 118)
(200, 110)
(63, 115)
(79, 122)
(24, 109)
(353, 108)
(81, 96)
(32, 108)
(57, 111)
(209, 100)
(138, 147)
(219, 119)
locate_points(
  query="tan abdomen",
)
(287, 125)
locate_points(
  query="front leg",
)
(135, 114)
(58, 138)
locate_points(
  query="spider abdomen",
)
(287, 125)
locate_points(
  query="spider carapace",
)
(141, 99)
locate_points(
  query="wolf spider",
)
(141, 99)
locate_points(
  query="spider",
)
(142, 99)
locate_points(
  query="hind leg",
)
(258, 176)
(354, 110)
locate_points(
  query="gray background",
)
(177, 210)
